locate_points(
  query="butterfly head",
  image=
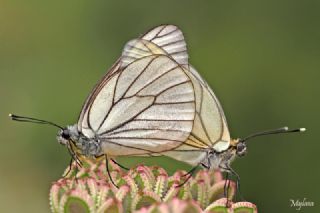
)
(65, 135)
(239, 146)
(77, 143)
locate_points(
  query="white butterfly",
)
(153, 102)
(209, 131)
(144, 105)
(140, 107)
(209, 143)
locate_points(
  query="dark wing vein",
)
(124, 123)
(152, 129)
(107, 114)
(156, 79)
(92, 96)
(144, 69)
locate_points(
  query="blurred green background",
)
(260, 57)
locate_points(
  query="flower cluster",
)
(142, 189)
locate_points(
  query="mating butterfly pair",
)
(153, 102)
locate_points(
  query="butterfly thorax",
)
(222, 160)
(82, 145)
(219, 160)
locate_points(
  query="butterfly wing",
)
(210, 129)
(142, 106)
(171, 40)
(83, 124)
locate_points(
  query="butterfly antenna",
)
(273, 131)
(32, 120)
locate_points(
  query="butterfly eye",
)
(241, 149)
(65, 134)
(211, 152)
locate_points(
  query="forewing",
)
(103, 85)
(147, 106)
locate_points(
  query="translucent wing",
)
(110, 74)
(139, 48)
(143, 106)
(165, 39)
(171, 41)
(210, 126)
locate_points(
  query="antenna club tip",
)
(286, 128)
(302, 129)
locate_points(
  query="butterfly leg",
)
(74, 158)
(227, 183)
(205, 166)
(108, 171)
(229, 170)
(189, 173)
(69, 169)
(238, 181)
(225, 187)
(123, 167)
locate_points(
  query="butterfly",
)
(209, 143)
(142, 106)
(153, 102)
